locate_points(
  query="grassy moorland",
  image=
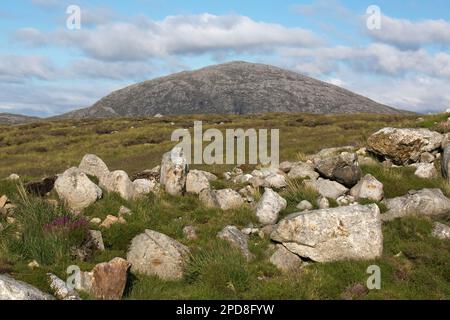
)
(414, 265)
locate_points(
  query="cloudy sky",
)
(47, 68)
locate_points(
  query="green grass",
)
(414, 265)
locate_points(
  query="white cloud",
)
(175, 35)
(405, 33)
(19, 68)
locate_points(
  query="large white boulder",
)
(76, 190)
(352, 232)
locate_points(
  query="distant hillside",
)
(9, 118)
(231, 88)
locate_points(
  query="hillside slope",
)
(231, 88)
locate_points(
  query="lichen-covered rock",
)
(174, 169)
(154, 253)
(269, 206)
(427, 202)
(404, 146)
(324, 235)
(76, 190)
(143, 187)
(368, 188)
(60, 288)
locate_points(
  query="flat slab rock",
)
(352, 232)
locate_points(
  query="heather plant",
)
(42, 232)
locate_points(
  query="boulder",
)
(196, 181)
(427, 157)
(426, 170)
(326, 188)
(285, 260)
(60, 288)
(94, 166)
(445, 158)
(107, 280)
(76, 190)
(302, 170)
(269, 206)
(225, 199)
(154, 253)
(237, 240)
(342, 233)
(11, 289)
(427, 202)
(368, 188)
(441, 231)
(404, 146)
(174, 169)
(343, 168)
(119, 182)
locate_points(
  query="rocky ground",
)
(307, 229)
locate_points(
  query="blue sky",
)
(47, 69)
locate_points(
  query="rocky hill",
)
(9, 118)
(231, 88)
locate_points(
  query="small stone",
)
(124, 211)
(304, 205)
(96, 238)
(426, 171)
(96, 221)
(3, 201)
(33, 264)
(441, 231)
(10, 220)
(110, 220)
(190, 232)
(323, 203)
(13, 177)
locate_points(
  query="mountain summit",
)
(231, 88)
